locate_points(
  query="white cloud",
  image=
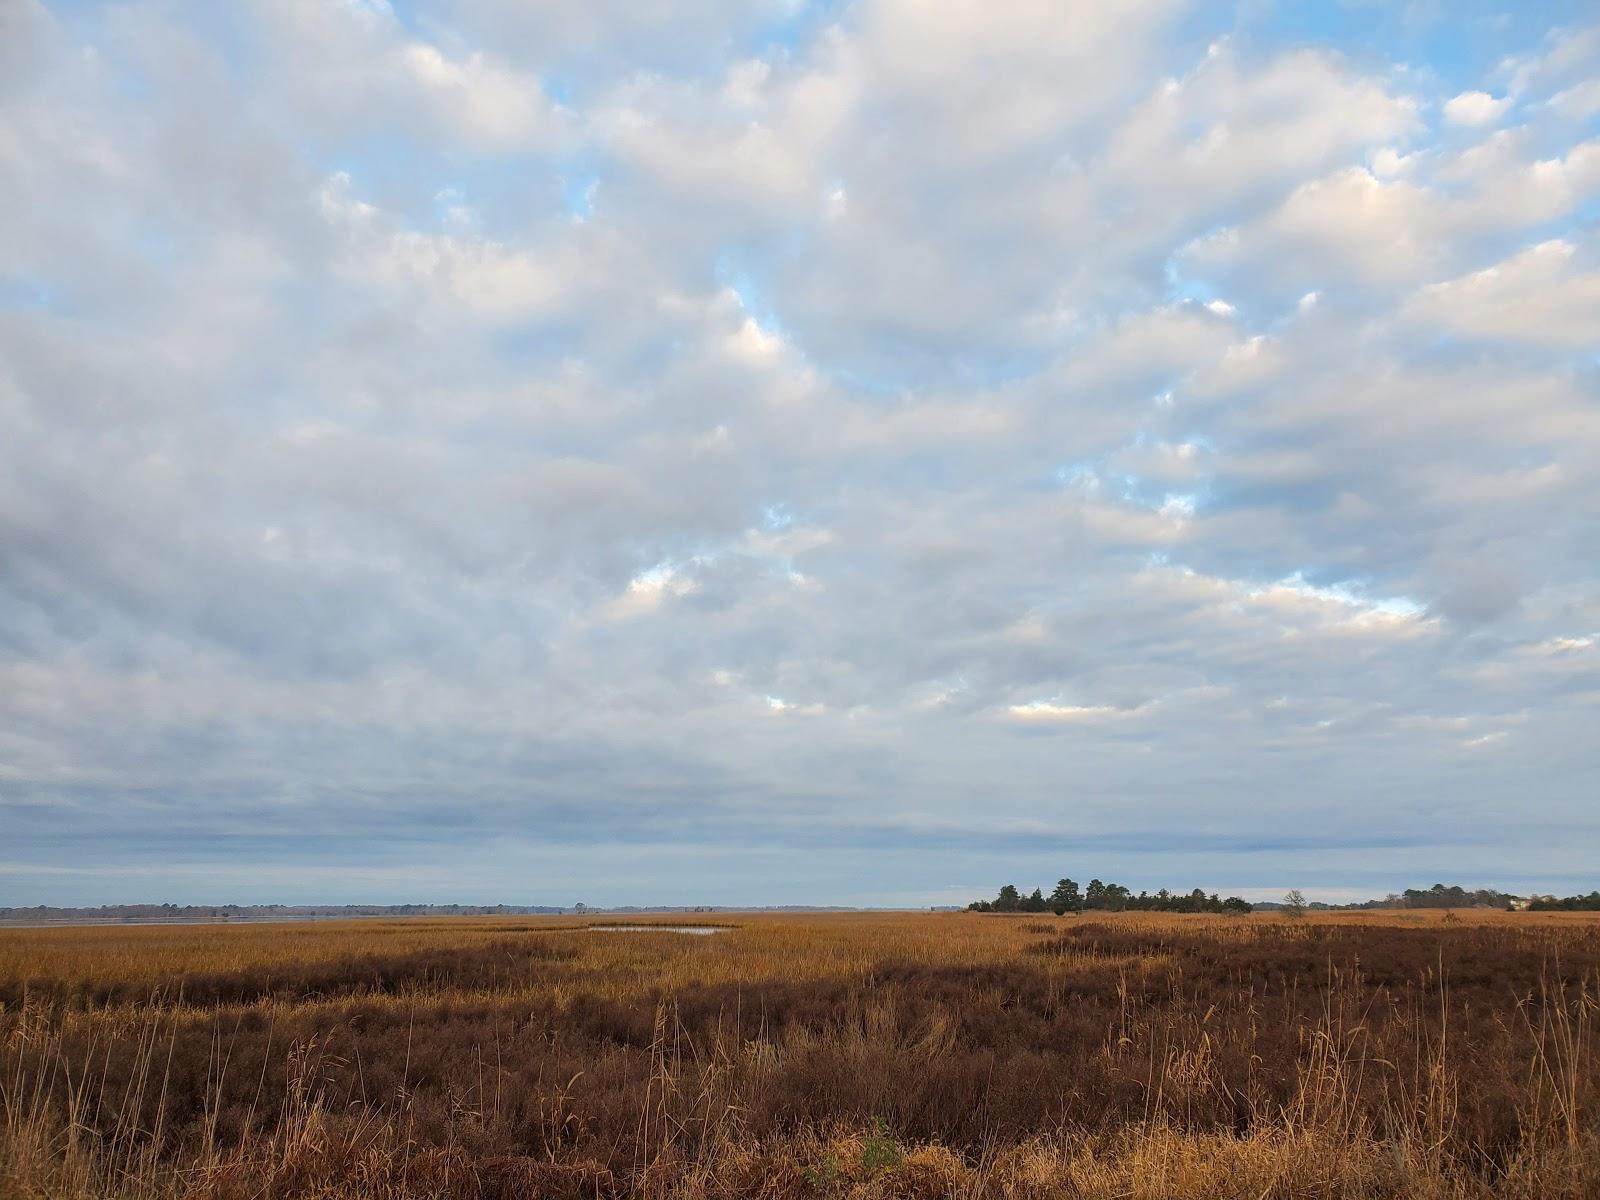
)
(1577, 102)
(1308, 608)
(356, 65)
(1050, 711)
(649, 590)
(1565, 645)
(1373, 230)
(484, 101)
(1542, 294)
(1475, 108)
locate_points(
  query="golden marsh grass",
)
(864, 1055)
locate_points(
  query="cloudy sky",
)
(753, 451)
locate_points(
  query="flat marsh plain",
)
(1402, 1054)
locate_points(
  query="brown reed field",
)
(862, 1055)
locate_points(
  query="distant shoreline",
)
(85, 922)
(68, 918)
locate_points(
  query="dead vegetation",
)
(842, 1055)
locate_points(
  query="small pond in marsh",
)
(698, 930)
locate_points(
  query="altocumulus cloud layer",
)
(752, 452)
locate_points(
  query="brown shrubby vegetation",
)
(842, 1055)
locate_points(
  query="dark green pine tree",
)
(1066, 897)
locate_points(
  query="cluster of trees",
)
(1108, 897)
(1589, 903)
(1439, 896)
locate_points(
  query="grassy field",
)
(906, 1055)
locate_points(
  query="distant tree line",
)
(1106, 897)
(148, 912)
(1437, 896)
(1589, 903)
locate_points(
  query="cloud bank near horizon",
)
(769, 452)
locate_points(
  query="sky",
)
(758, 452)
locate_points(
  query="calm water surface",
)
(698, 930)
